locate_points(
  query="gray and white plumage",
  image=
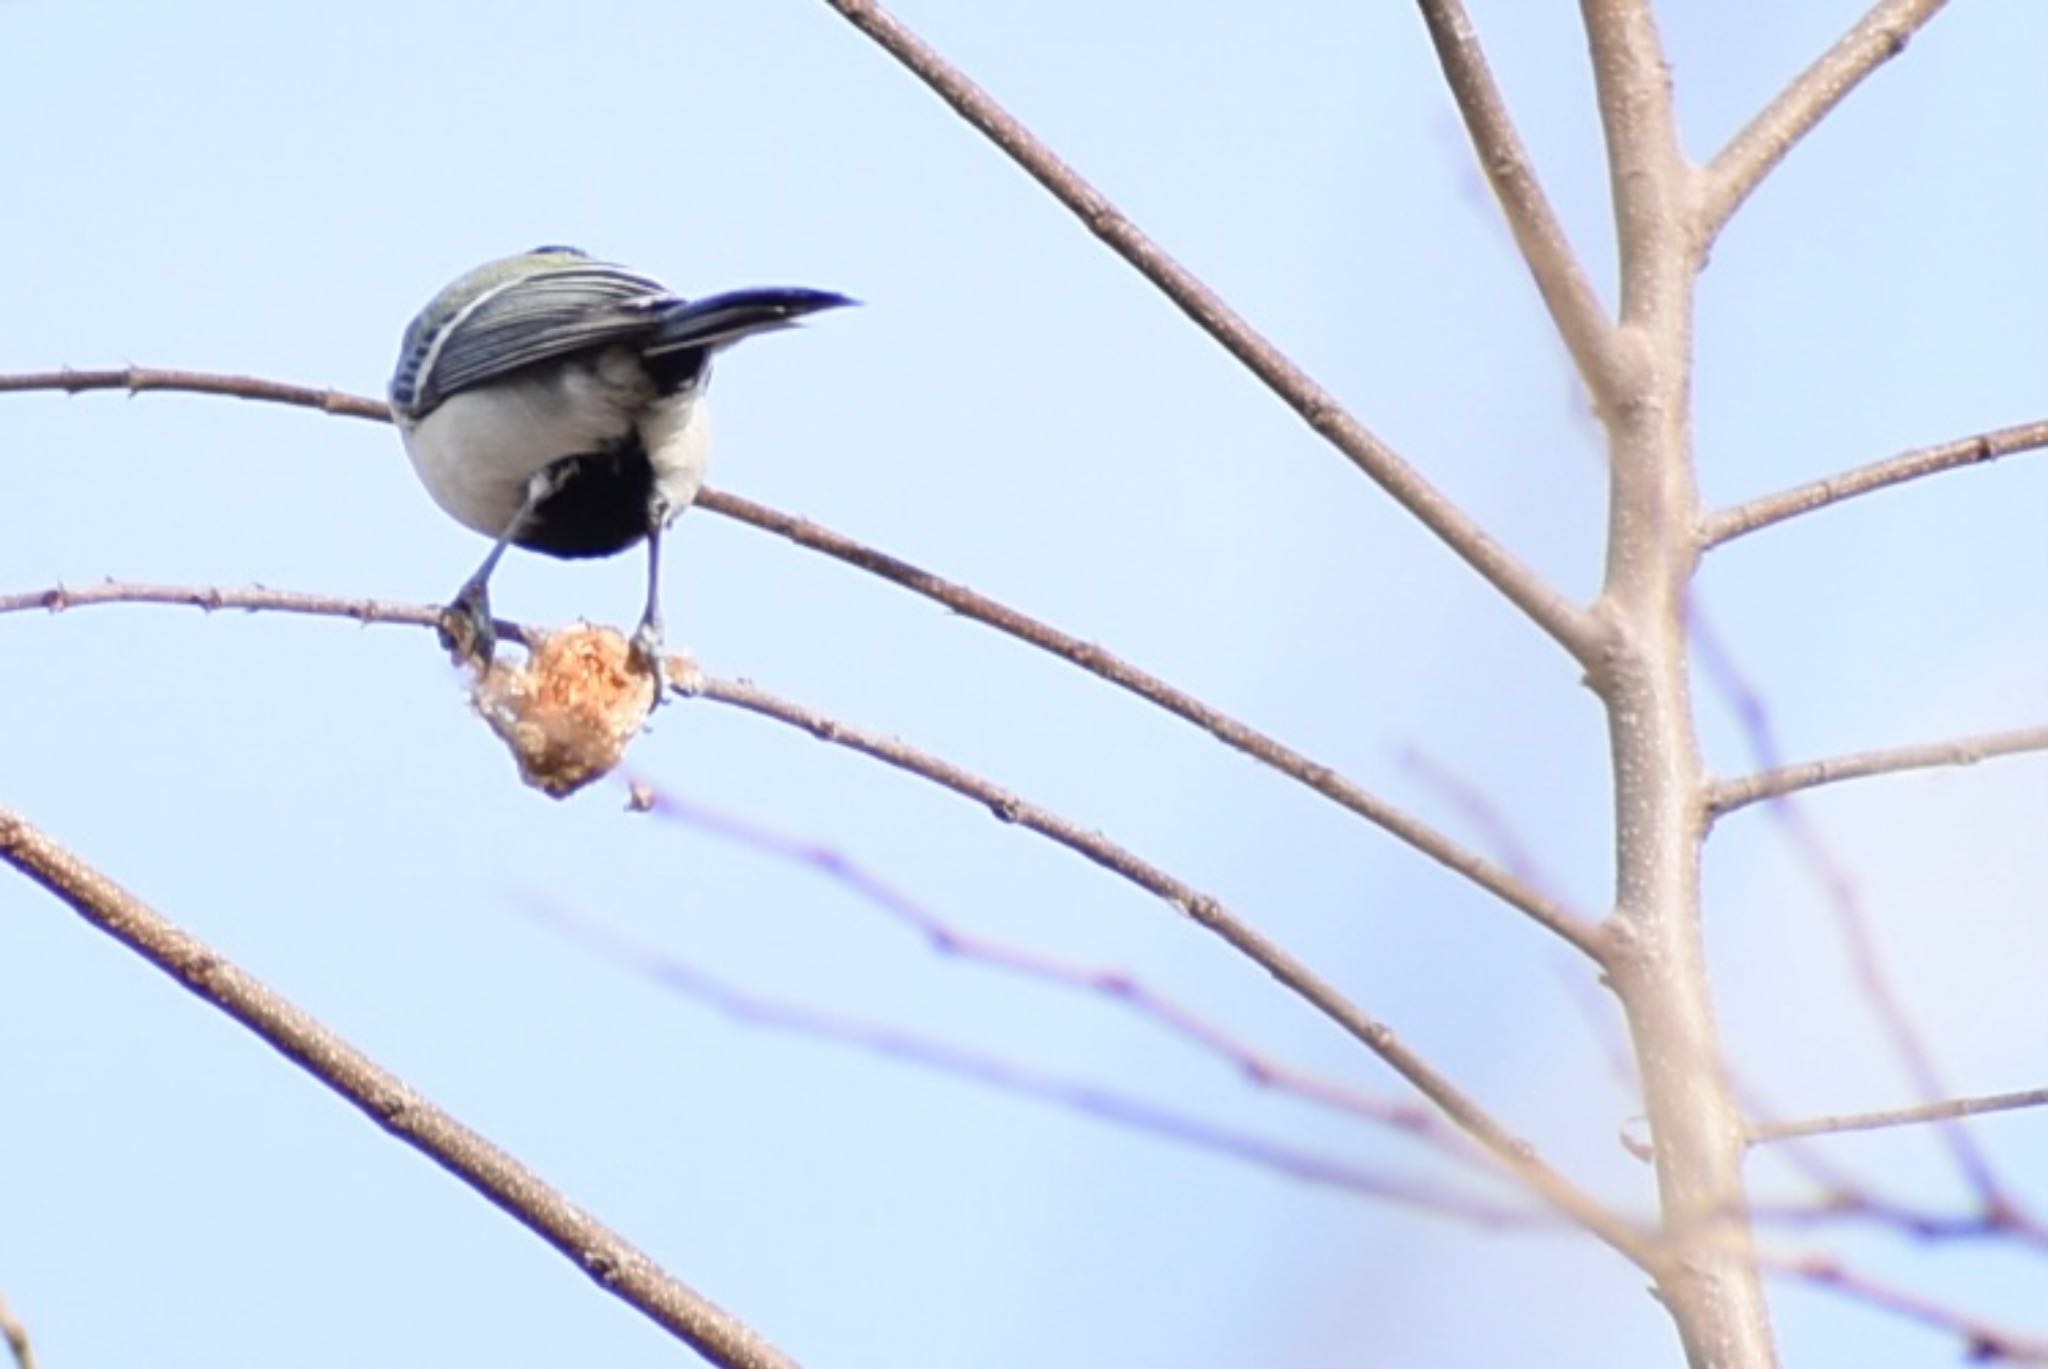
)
(555, 402)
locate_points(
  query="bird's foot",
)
(648, 646)
(466, 629)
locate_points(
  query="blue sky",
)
(276, 191)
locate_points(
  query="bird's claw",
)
(647, 645)
(466, 630)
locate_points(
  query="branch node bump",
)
(392, 1109)
(200, 970)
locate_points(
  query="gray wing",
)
(538, 317)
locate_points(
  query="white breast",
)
(477, 450)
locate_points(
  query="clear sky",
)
(275, 190)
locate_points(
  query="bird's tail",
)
(719, 320)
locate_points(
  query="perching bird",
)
(555, 402)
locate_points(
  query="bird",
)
(555, 402)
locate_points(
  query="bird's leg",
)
(647, 641)
(466, 627)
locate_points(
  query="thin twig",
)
(1842, 1200)
(1479, 809)
(1517, 893)
(1763, 1132)
(16, 1335)
(1517, 1156)
(1840, 1206)
(1096, 660)
(1740, 167)
(138, 379)
(1008, 1076)
(1729, 524)
(1846, 902)
(2005, 1225)
(616, 1265)
(1841, 1194)
(1983, 1343)
(1728, 795)
(1120, 987)
(1571, 626)
(1595, 1006)
(1582, 321)
(251, 599)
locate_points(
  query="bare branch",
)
(616, 1265)
(16, 1336)
(1118, 986)
(1111, 1106)
(1729, 795)
(1729, 524)
(137, 379)
(1983, 1343)
(1845, 1198)
(1761, 1133)
(1565, 621)
(1657, 964)
(1582, 321)
(1544, 910)
(1652, 184)
(1503, 884)
(1841, 1206)
(254, 599)
(1519, 1158)
(1516, 1155)
(1096, 660)
(1846, 902)
(1480, 810)
(1740, 167)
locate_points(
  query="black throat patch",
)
(601, 503)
